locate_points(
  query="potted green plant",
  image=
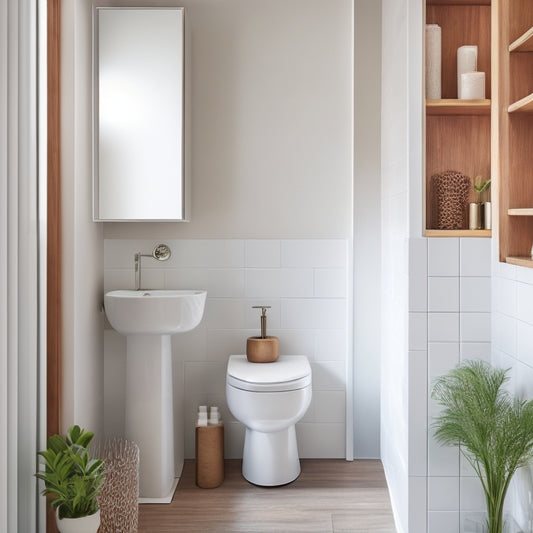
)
(480, 213)
(74, 480)
(493, 429)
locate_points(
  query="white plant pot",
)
(85, 524)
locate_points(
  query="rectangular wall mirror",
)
(138, 114)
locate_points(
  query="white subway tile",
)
(505, 270)
(475, 327)
(504, 333)
(315, 314)
(418, 330)
(524, 342)
(418, 294)
(523, 380)
(328, 375)
(118, 279)
(330, 407)
(417, 504)
(443, 356)
(187, 278)
(442, 460)
(327, 441)
(208, 253)
(505, 296)
(443, 522)
(262, 283)
(418, 254)
(443, 493)
(443, 257)
(222, 343)
(296, 283)
(330, 283)
(443, 327)
(475, 257)
(262, 253)
(476, 350)
(418, 414)
(317, 253)
(225, 283)
(296, 342)
(119, 253)
(253, 315)
(472, 495)
(225, 313)
(525, 302)
(331, 345)
(233, 440)
(216, 377)
(190, 345)
(524, 275)
(443, 295)
(475, 295)
(196, 377)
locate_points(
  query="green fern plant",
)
(482, 188)
(493, 429)
(71, 476)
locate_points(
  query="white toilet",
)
(269, 398)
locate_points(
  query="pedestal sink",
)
(148, 318)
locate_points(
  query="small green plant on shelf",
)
(493, 429)
(482, 188)
(71, 476)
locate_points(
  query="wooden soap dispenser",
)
(262, 349)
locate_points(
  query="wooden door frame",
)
(54, 322)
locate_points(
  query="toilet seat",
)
(288, 373)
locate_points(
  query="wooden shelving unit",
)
(514, 114)
(458, 132)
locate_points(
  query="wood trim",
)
(458, 233)
(54, 333)
(452, 106)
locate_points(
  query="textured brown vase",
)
(262, 350)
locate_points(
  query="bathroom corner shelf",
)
(521, 212)
(513, 34)
(524, 43)
(453, 106)
(520, 261)
(458, 132)
(458, 233)
(525, 105)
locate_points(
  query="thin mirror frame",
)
(183, 206)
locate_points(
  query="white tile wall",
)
(305, 283)
(449, 321)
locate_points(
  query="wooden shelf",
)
(520, 261)
(525, 105)
(458, 2)
(458, 233)
(524, 43)
(521, 212)
(452, 106)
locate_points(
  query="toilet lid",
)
(289, 372)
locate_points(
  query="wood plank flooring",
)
(330, 496)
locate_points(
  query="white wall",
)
(82, 401)
(272, 158)
(394, 264)
(367, 227)
(272, 113)
(512, 327)
(304, 282)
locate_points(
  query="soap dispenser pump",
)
(263, 349)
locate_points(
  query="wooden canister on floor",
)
(209, 456)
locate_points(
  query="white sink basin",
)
(154, 312)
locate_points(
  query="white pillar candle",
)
(466, 62)
(433, 61)
(472, 86)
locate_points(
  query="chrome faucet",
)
(161, 252)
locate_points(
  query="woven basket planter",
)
(449, 193)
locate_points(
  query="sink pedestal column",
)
(149, 414)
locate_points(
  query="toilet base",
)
(270, 459)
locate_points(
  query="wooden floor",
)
(330, 496)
